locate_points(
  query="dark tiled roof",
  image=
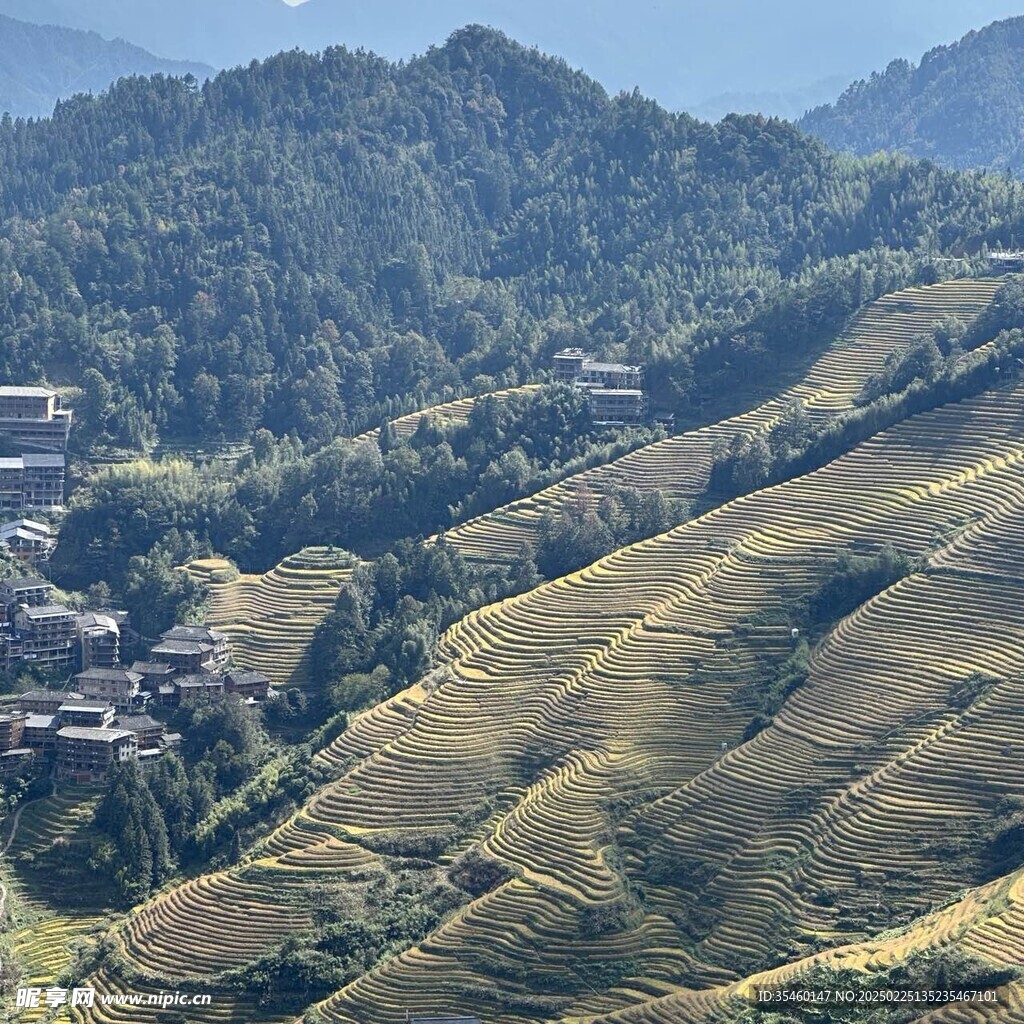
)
(151, 667)
(109, 675)
(75, 732)
(193, 633)
(25, 583)
(238, 676)
(58, 695)
(135, 723)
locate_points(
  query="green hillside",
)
(320, 243)
(571, 722)
(961, 106)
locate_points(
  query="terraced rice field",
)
(589, 736)
(451, 414)
(46, 948)
(270, 619)
(988, 923)
(224, 1008)
(60, 822)
(54, 909)
(681, 466)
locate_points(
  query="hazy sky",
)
(679, 51)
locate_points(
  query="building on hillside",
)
(201, 685)
(166, 695)
(46, 702)
(192, 649)
(121, 686)
(13, 761)
(617, 406)
(45, 635)
(246, 683)
(574, 366)
(12, 730)
(30, 591)
(89, 714)
(615, 391)
(148, 731)
(99, 640)
(85, 755)
(568, 364)
(27, 540)
(33, 416)
(43, 481)
(154, 674)
(170, 741)
(84, 736)
(41, 733)
(32, 481)
(611, 375)
(1007, 259)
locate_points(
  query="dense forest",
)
(316, 242)
(961, 106)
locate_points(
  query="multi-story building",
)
(33, 416)
(120, 686)
(13, 761)
(611, 375)
(32, 481)
(12, 730)
(148, 731)
(154, 674)
(246, 683)
(191, 649)
(90, 714)
(574, 366)
(99, 640)
(617, 405)
(85, 755)
(30, 591)
(44, 481)
(200, 685)
(47, 635)
(569, 364)
(27, 540)
(41, 733)
(614, 390)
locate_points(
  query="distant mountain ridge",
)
(687, 55)
(962, 105)
(40, 64)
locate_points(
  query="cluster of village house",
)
(103, 717)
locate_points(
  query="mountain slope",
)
(962, 105)
(681, 466)
(40, 64)
(576, 734)
(305, 243)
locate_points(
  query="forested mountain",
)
(313, 241)
(651, 726)
(40, 64)
(962, 106)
